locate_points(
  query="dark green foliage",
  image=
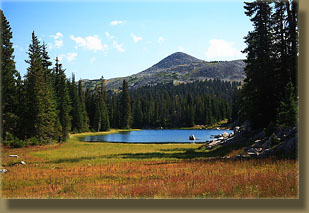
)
(40, 107)
(84, 115)
(76, 112)
(12, 141)
(287, 111)
(9, 78)
(271, 61)
(170, 106)
(259, 70)
(101, 118)
(63, 101)
(126, 117)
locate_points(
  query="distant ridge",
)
(179, 67)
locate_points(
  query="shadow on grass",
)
(186, 154)
(168, 154)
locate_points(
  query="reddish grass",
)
(201, 178)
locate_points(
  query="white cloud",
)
(118, 46)
(58, 42)
(136, 38)
(90, 42)
(116, 22)
(221, 49)
(161, 39)
(181, 49)
(109, 36)
(60, 57)
(69, 56)
(93, 59)
(57, 36)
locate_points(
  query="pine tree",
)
(105, 124)
(9, 76)
(190, 111)
(126, 117)
(259, 91)
(63, 101)
(41, 114)
(76, 112)
(85, 118)
(287, 112)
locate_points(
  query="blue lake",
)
(157, 136)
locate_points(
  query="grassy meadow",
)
(78, 169)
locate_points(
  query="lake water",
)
(158, 136)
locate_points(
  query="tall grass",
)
(106, 170)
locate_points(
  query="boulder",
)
(225, 134)
(192, 137)
(236, 129)
(3, 170)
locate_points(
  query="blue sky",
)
(121, 38)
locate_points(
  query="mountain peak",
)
(177, 58)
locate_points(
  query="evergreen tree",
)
(41, 115)
(76, 112)
(126, 117)
(9, 76)
(63, 101)
(190, 111)
(85, 119)
(287, 112)
(259, 91)
(105, 125)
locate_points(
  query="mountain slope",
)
(180, 68)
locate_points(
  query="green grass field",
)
(78, 169)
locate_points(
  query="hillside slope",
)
(180, 68)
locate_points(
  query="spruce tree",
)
(41, 115)
(126, 117)
(76, 112)
(287, 112)
(63, 101)
(9, 76)
(85, 118)
(259, 90)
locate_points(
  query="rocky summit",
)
(178, 68)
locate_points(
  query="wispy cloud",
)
(221, 49)
(136, 38)
(118, 46)
(58, 41)
(161, 39)
(117, 22)
(69, 56)
(90, 42)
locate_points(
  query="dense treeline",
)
(184, 105)
(269, 95)
(163, 105)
